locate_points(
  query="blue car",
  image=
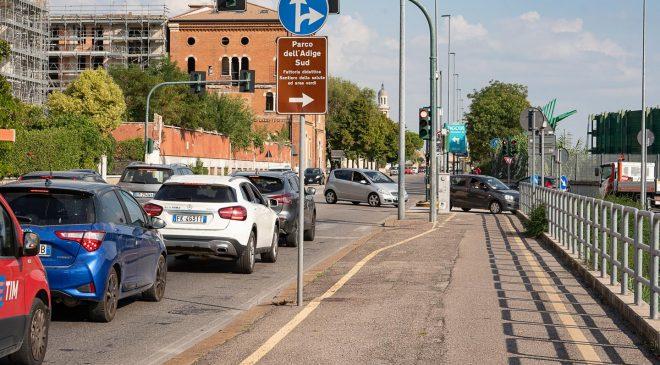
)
(97, 243)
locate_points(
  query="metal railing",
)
(621, 242)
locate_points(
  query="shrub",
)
(199, 168)
(538, 222)
(130, 150)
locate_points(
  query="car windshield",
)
(145, 175)
(378, 177)
(267, 185)
(51, 208)
(196, 193)
(495, 184)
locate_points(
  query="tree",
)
(494, 113)
(5, 50)
(94, 95)
(414, 143)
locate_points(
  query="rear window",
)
(44, 177)
(51, 208)
(313, 171)
(146, 175)
(267, 185)
(196, 193)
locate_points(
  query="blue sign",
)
(457, 139)
(3, 282)
(303, 17)
(495, 143)
(563, 183)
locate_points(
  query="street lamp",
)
(449, 53)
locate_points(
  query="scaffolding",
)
(23, 24)
(87, 36)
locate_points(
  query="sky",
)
(585, 53)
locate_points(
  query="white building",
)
(383, 101)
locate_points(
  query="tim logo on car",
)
(8, 290)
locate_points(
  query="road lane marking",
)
(270, 344)
(555, 300)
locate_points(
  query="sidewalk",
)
(471, 291)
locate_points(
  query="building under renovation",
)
(85, 37)
(24, 25)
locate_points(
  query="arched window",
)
(270, 102)
(245, 63)
(225, 66)
(191, 65)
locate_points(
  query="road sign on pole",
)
(302, 75)
(508, 160)
(303, 17)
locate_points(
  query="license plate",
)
(144, 195)
(45, 250)
(189, 219)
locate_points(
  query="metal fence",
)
(619, 241)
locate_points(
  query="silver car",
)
(143, 180)
(361, 186)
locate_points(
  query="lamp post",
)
(402, 112)
(644, 146)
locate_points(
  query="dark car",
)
(143, 180)
(482, 192)
(79, 175)
(314, 176)
(97, 243)
(283, 186)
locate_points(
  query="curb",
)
(624, 305)
(242, 322)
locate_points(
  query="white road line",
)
(268, 346)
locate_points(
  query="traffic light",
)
(232, 5)
(247, 81)
(425, 123)
(199, 78)
(333, 6)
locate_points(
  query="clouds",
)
(567, 26)
(530, 17)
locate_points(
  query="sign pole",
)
(402, 113)
(301, 210)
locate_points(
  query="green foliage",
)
(130, 150)
(494, 113)
(414, 143)
(538, 222)
(199, 168)
(5, 50)
(93, 95)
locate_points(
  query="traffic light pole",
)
(433, 215)
(174, 83)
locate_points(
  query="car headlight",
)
(381, 191)
(509, 198)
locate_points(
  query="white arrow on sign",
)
(456, 140)
(312, 16)
(304, 100)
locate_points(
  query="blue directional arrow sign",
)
(303, 17)
(457, 139)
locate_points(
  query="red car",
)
(409, 171)
(24, 293)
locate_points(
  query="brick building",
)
(223, 43)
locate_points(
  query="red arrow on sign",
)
(508, 160)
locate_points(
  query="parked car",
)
(394, 171)
(97, 244)
(285, 189)
(80, 175)
(483, 192)
(144, 180)
(550, 182)
(408, 171)
(415, 170)
(314, 176)
(217, 216)
(25, 303)
(422, 170)
(357, 186)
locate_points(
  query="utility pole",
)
(402, 113)
(644, 136)
(445, 151)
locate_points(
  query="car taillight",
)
(89, 240)
(233, 213)
(153, 210)
(283, 199)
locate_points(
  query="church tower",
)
(383, 101)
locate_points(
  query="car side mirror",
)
(597, 171)
(273, 203)
(30, 244)
(157, 223)
(363, 182)
(310, 191)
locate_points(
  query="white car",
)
(217, 216)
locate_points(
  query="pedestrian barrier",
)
(621, 242)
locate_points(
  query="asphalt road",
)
(202, 296)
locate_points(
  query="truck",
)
(623, 178)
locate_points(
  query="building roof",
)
(207, 13)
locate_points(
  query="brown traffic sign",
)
(302, 75)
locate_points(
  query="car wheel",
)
(245, 263)
(466, 209)
(35, 339)
(105, 310)
(309, 234)
(157, 290)
(356, 203)
(292, 238)
(271, 255)
(374, 200)
(495, 207)
(330, 197)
